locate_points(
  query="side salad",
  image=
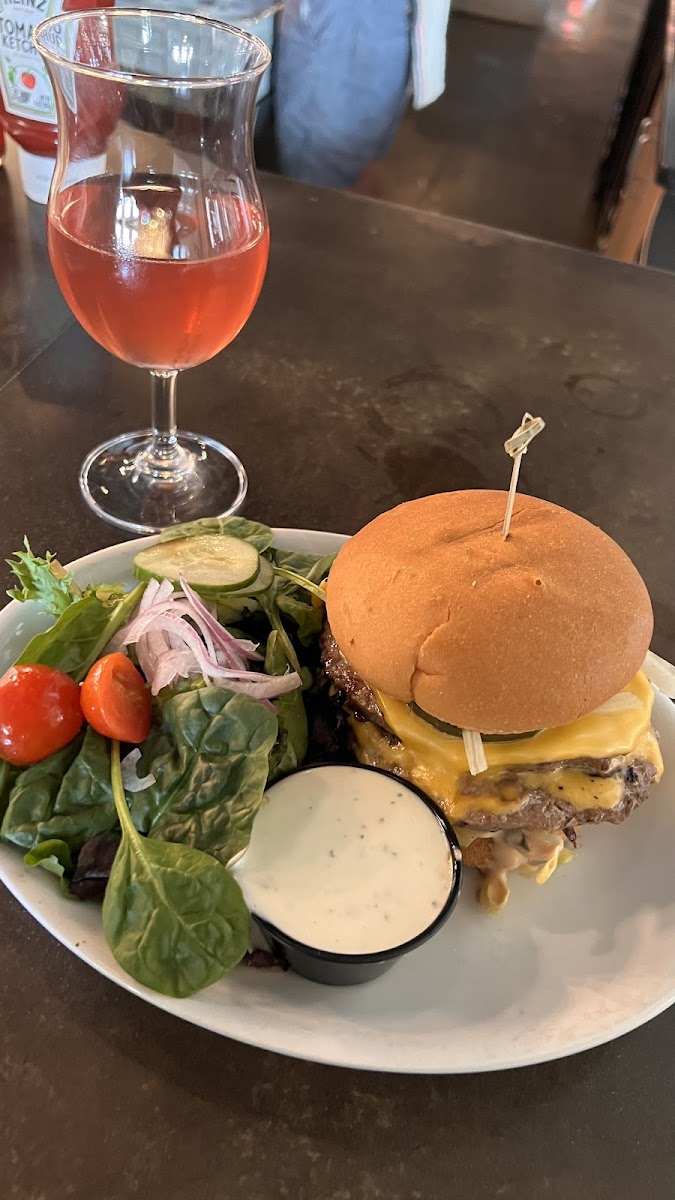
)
(139, 732)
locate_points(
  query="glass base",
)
(125, 482)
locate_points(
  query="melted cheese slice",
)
(437, 761)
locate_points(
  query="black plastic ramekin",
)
(327, 966)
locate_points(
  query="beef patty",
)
(539, 809)
(357, 697)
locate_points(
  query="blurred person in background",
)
(345, 71)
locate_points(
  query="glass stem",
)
(165, 458)
(163, 400)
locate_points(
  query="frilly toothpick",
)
(516, 447)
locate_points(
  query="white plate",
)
(587, 957)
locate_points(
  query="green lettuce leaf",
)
(42, 579)
(54, 856)
(51, 586)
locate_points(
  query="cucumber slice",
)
(231, 605)
(211, 563)
(262, 580)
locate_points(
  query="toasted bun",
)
(429, 603)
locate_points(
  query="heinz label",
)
(24, 82)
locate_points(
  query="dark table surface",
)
(390, 355)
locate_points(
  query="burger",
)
(502, 676)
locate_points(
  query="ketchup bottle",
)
(27, 108)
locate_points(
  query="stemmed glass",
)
(157, 231)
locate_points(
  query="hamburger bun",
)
(429, 604)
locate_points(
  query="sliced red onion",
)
(265, 687)
(169, 622)
(175, 610)
(237, 648)
(169, 646)
(143, 621)
(146, 661)
(155, 593)
(149, 647)
(173, 665)
(149, 595)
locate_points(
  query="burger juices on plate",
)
(439, 630)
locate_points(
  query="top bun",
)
(429, 603)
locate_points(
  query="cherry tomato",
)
(116, 701)
(39, 713)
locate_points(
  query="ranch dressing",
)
(346, 860)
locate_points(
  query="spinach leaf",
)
(173, 917)
(81, 634)
(8, 777)
(210, 760)
(293, 600)
(235, 609)
(254, 532)
(66, 796)
(307, 616)
(302, 583)
(53, 855)
(271, 610)
(32, 799)
(84, 805)
(290, 748)
(312, 566)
